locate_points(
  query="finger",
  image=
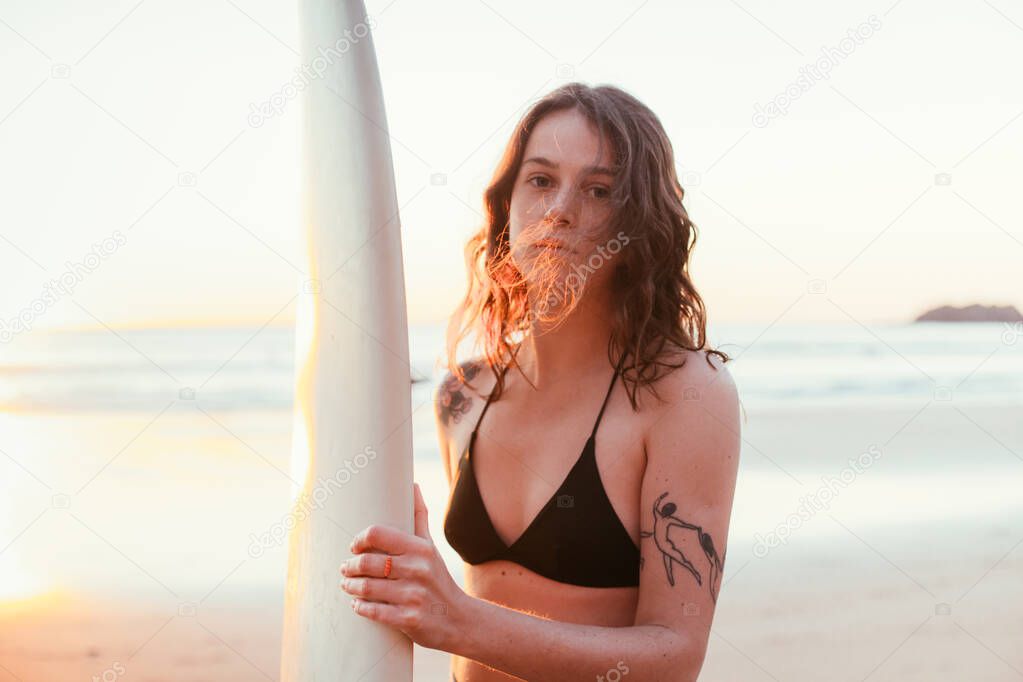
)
(372, 565)
(422, 520)
(388, 614)
(382, 538)
(375, 589)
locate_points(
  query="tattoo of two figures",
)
(692, 540)
(692, 549)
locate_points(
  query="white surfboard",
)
(352, 446)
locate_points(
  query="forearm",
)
(541, 650)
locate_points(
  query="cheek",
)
(521, 217)
(598, 221)
(516, 224)
(515, 214)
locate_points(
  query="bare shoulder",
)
(699, 419)
(456, 396)
(703, 377)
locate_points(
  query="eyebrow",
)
(589, 170)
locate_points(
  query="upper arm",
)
(441, 424)
(686, 501)
(451, 403)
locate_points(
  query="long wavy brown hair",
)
(654, 301)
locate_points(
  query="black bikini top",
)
(576, 538)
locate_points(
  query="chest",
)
(538, 479)
(548, 473)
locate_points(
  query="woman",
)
(591, 566)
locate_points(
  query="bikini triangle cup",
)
(576, 537)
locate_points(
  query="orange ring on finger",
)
(387, 567)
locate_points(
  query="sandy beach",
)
(65, 638)
(912, 572)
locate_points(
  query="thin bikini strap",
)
(490, 395)
(609, 389)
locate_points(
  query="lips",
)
(551, 244)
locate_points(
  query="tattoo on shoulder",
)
(455, 399)
(688, 546)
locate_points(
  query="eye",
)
(602, 192)
(539, 177)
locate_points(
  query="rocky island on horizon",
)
(971, 313)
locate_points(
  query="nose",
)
(562, 210)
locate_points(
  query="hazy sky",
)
(892, 178)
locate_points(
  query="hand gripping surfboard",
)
(352, 437)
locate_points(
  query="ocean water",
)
(249, 368)
(145, 462)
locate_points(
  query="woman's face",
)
(562, 193)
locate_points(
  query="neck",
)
(576, 347)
